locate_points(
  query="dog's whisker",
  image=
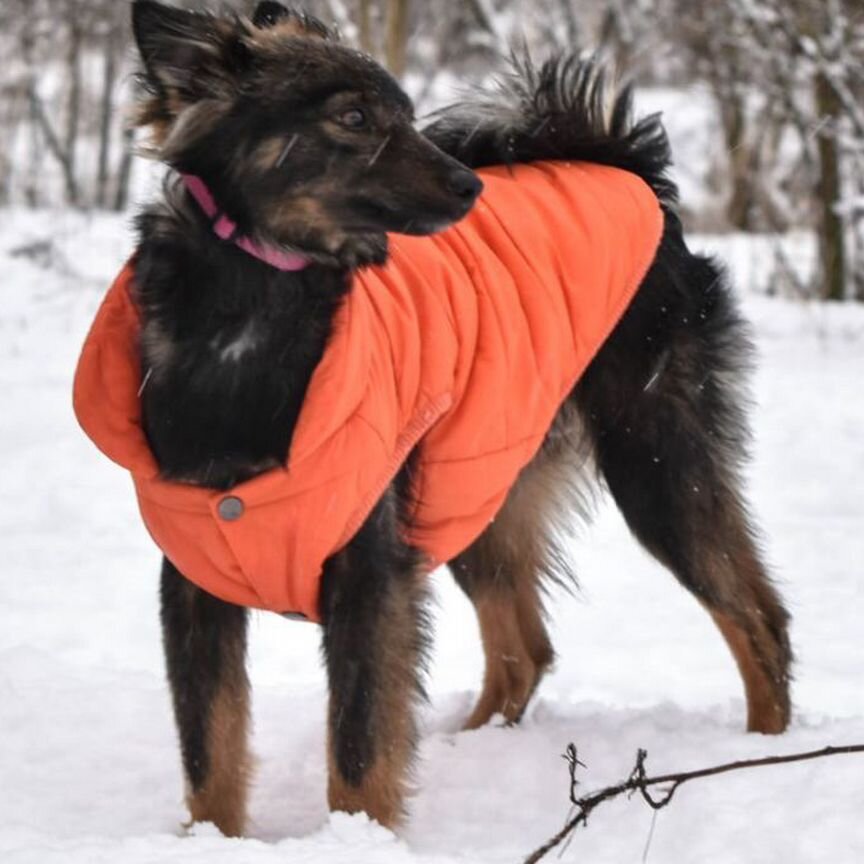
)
(378, 152)
(287, 149)
(146, 379)
(651, 382)
(540, 127)
(472, 133)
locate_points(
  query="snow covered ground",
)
(89, 768)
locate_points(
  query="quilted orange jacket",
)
(466, 342)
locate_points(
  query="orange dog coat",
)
(466, 342)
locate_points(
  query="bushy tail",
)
(564, 110)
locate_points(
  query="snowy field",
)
(89, 767)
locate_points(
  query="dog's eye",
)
(353, 118)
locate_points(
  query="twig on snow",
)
(638, 781)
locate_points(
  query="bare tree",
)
(365, 26)
(397, 35)
(73, 124)
(778, 71)
(776, 67)
(812, 52)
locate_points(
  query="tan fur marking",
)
(150, 113)
(303, 221)
(502, 572)
(385, 782)
(302, 210)
(289, 27)
(515, 660)
(222, 800)
(382, 792)
(748, 612)
(268, 153)
(751, 618)
(161, 115)
(767, 710)
(529, 611)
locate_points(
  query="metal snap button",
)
(230, 508)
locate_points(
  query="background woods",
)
(783, 82)
(62, 98)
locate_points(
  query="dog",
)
(287, 140)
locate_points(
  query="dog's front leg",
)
(372, 609)
(205, 652)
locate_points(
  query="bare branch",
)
(484, 12)
(638, 781)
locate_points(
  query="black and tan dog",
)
(311, 146)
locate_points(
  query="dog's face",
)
(303, 141)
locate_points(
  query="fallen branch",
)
(639, 782)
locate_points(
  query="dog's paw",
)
(200, 829)
(358, 828)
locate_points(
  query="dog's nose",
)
(465, 185)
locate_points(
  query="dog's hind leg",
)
(372, 600)
(517, 651)
(662, 404)
(502, 574)
(205, 649)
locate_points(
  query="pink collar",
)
(226, 228)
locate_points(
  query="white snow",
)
(89, 767)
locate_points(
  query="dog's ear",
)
(189, 55)
(268, 13)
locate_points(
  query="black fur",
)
(267, 119)
(212, 420)
(373, 584)
(563, 110)
(200, 633)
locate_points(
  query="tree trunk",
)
(743, 166)
(365, 27)
(41, 121)
(397, 35)
(34, 167)
(572, 34)
(124, 172)
(614, 37)
(73, 105)
(832, 234)
(106, 115)
(15, 113)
